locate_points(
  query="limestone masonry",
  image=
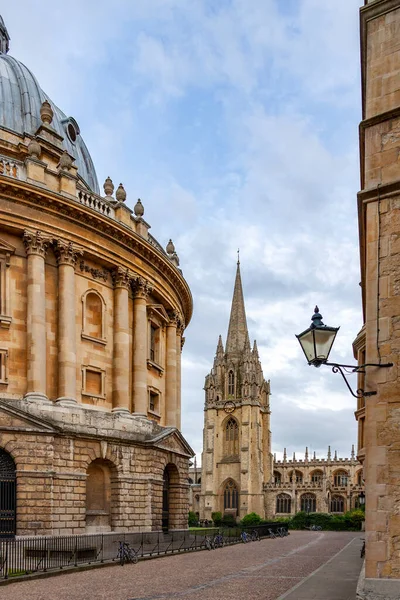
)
(92, 316)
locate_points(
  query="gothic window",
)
(337, 504)
(316, 477)
(230, 495)
(308, 503)
(93, 317)
(231, 437)
(340, 478)
(231, 383)
(296, 476)
(283, 503)
(277, 477)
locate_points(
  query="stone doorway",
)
(8, 497)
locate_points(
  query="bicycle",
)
(245, 537)
(282, 532)
(218, 541)
(255, 536)
(208, 542)
(272, 535)
(315, 528)
(126, 553)
(362, 553)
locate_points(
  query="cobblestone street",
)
(265, 569)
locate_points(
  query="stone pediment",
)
(172, 440)
(15, 419)
(6, 250)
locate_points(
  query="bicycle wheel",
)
(133, 557)
(208, 544)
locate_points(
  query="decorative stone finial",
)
(120, 194)
(46, 113)
(335, 458)
(170, 248)
(108, 187)
(284, 455)
(138, 208)
(329, 452)
(4, 37)
(174, 258)
(306, 454)
(314, 456)
(34, 148)
(65, 162)
(294, 456)
(352, 452)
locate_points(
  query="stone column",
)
(141, 290)
(67, 254)
(121, 400)
(171, 403)
(36, 245)
(179, 345)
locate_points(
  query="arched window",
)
(296, 476)
(277, 477)
(337, 504)
(231, 495)
(359, 477)
(308, 503)
(93, 317)
(316, 477)
(231, 437)
(283, 503)
(231, 383)
(340, 478)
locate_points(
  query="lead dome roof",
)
(20, 100)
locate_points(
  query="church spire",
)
(4, 37)
(237, 331)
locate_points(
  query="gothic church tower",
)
(237, 456)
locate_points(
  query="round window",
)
(71, 132)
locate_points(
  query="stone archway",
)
(99, 496)
(8, 496)
(171, 498)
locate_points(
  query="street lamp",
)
(316, 343)
(361, 499)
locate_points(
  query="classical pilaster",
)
(67, 254)
(121, 400)
(141, 290)
(36, 244)
(179, 345)
(171, 399)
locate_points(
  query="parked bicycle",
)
(218, 540)
(126, 554)
(245, 537)
(282, 531)
(208, 542)
(271, 534)
(314, 528)
(255, 536)
(362, 553)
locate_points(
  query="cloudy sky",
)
(235, 122)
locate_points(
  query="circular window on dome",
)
(71, 132)
(71, 128)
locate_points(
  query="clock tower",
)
(236, 458)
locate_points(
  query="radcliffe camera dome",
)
(20, 100)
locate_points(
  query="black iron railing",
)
(47, 553)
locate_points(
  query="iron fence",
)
(26, 555)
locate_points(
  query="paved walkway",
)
(303, 566)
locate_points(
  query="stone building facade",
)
(92, 315)
(239, 475)
(378, 416)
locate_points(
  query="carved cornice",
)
(141, 288)
(122, 278)
(66, 252)
(116, 232)
(176, 319)
(95, 273)
(36, 242)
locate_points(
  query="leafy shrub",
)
(228, 521)
(351, 521)
(217, 518)
(251, 519)
(192, 519)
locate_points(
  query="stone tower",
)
(237, 456)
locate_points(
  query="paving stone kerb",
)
(265, 569)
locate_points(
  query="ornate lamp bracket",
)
(342, 369)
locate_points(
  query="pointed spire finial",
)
(238, 253)
(237, 330)
(314, 456)
(4, 37)
(306, 454)
(335, 457)
(352, 452)
(284, 455)
(329, 452)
